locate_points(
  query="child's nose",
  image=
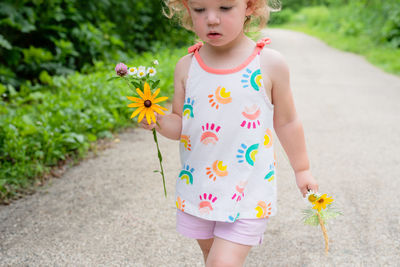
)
(212, 18)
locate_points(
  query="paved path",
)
(110, 210)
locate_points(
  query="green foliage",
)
(311, 218)
(61, 36)
(42, 125)
(377, 19)
(367, 27)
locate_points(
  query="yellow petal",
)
(140, 93)
(160, 99)
(147, 92)
(135, 99)
(136, 112)
(148, 115)
(156, 93)
(156, 109)
(142, 114)
(160, 107)
(135, 105)
(153, 117)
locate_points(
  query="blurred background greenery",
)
(56, 55)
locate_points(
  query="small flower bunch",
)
(145, 101)
(320, 212)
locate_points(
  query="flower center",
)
(321, 200)
(312, 198)
(147, 103)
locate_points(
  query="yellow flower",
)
(321, 202)
(146, 105)
(312, 196)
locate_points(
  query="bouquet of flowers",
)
(320, 212)
(145, 101)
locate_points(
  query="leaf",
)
(156, 83)
(112, 78)
(4, 43)
(310, 217)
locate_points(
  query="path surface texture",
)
(111, 211)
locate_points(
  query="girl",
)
(230, 94)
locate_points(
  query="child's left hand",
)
(305, 181)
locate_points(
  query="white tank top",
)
(226, 149)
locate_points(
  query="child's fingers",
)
(144, 124)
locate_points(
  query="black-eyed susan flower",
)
(320, 212)
(146, 105)
(321, 202)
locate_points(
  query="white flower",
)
(311, 196)
(132, 71)
(141, 73)
(142, 68)
(155, 62)
(151, 71)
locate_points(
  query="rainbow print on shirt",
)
(210, 133)
(252, 78)
(251, 115)
(188, 108)
(205, 206)
(247, 154)
(187, 174)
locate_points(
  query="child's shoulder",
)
(273, 62)
(183, 64)
(272, 57)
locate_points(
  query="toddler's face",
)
(218, 22)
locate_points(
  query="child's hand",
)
(305, 181)
(144, 124)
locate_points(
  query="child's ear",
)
(251, 4)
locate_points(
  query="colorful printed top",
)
(226, 149)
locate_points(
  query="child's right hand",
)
(144, 124)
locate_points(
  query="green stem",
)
(160, 159)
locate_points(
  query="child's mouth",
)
(214, 35)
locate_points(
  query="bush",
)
(42, 125)
(59, 36)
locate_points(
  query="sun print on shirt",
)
(263, 210)
(217, 170)
(220, 97)
(180, 204)
(185, 140)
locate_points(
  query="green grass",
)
(382, 56)
(41, 126)
(370, 31)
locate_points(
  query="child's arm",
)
(171, 124)
(287, 124)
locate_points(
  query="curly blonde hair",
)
(259, 17)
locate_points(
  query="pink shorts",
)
(243, 231)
